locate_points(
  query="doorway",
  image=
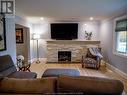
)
(23, 41)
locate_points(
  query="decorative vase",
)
(88, 35)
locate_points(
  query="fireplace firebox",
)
(64, 56)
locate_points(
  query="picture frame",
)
(2, 33)
(19, 35)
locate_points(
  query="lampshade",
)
(21, 57)
(36, 36)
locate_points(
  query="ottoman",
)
(55, 72)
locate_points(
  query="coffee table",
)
(55, 72)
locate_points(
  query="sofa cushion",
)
(6, 62)
(90, 61)
(90, 85)
(27, 86)
(22, 75)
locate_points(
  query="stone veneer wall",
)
(77, 48)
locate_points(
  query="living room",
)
(95, 23)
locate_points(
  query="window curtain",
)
(121, 25)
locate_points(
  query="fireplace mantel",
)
(73, 42)
(77, 48)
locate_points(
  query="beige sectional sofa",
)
(75, 85)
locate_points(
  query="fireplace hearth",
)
(64, 56)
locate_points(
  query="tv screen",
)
(64, 31)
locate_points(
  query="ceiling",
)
(70, 10)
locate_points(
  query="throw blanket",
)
(95, 51)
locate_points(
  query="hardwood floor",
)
(102, 72)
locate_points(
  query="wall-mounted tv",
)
(64, 31)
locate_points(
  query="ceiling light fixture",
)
(42, 18)
(91, 18)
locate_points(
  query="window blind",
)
(121, 25)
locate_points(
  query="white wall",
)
(106, 37)
(10, 39)
(21, 21)
(93, 26)
(44, 30)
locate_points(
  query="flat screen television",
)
(64, 31)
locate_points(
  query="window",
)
(121, 36)
(121, 41)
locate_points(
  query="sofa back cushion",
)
(6, 65)
(28, 86)
(89, 85)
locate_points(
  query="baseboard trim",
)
(116, 70)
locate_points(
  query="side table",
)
(24, 66)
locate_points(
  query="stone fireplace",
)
(67, 50)
(64, 56)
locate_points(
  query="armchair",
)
(93, 58)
